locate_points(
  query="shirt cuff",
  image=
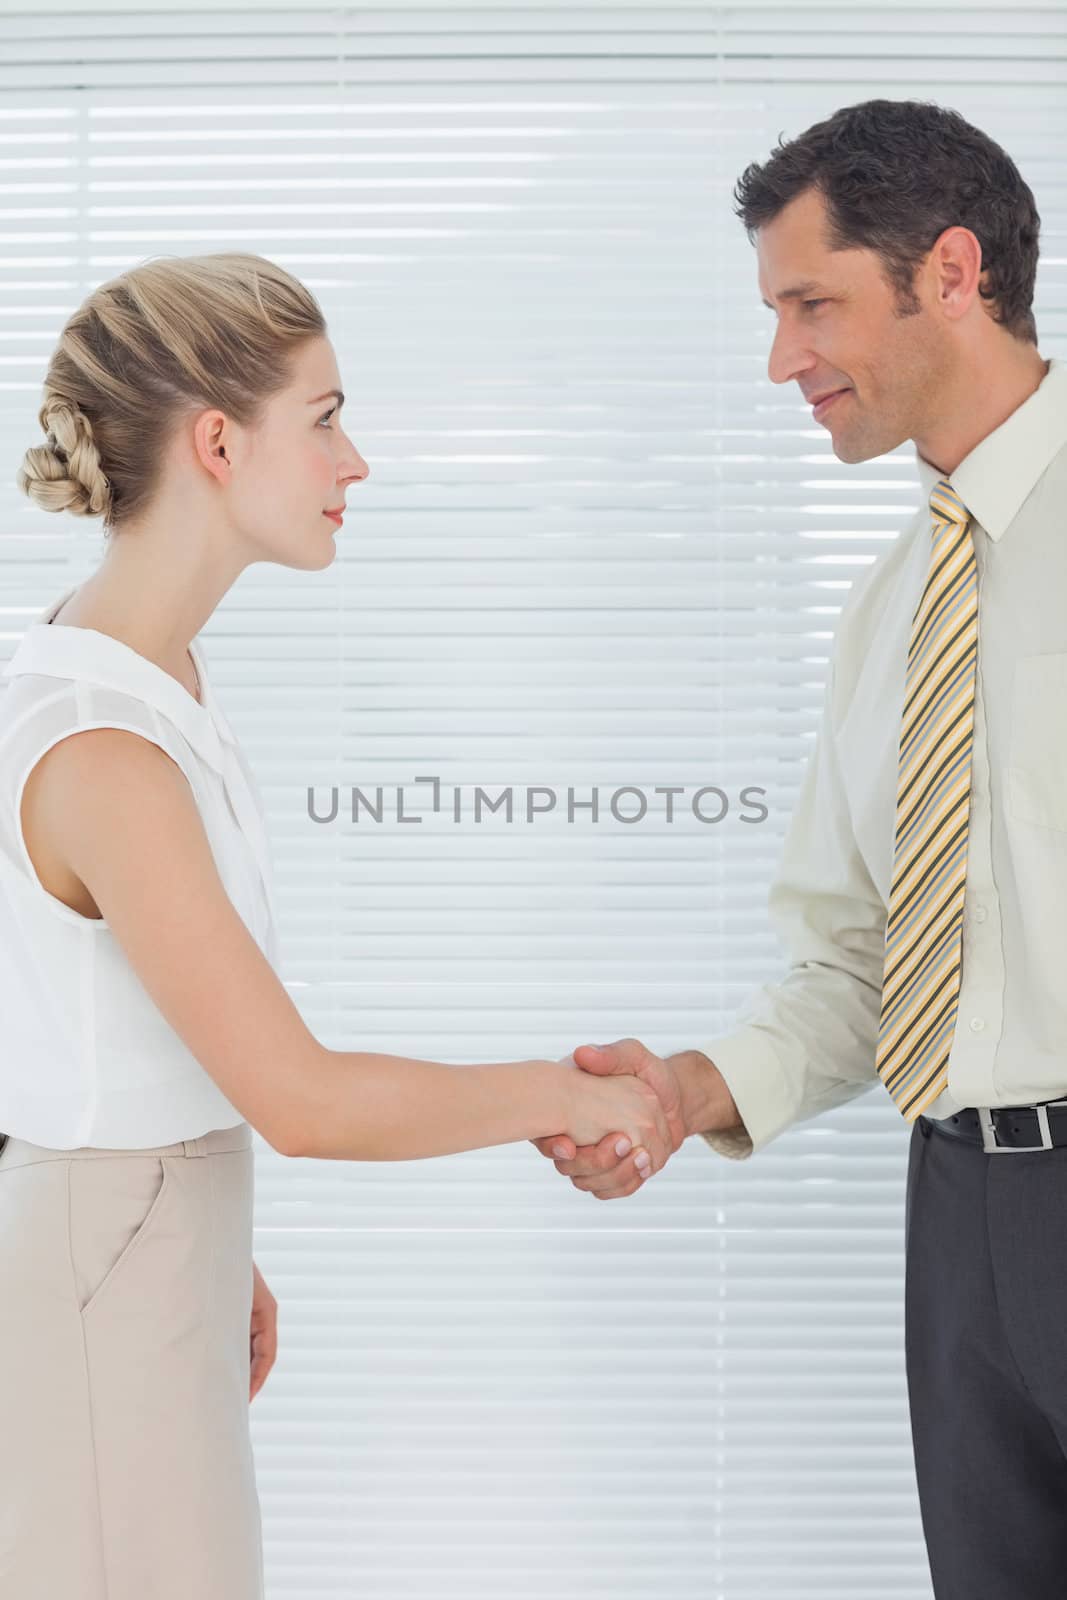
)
(753, 1075)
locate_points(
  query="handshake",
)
(658, 1102)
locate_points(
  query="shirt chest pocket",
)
(1037, 746)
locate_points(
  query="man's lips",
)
(820, 405)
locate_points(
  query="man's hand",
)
(598, 1168)
(263, 1335)
(690, 1089)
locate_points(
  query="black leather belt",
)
(1007, 1129)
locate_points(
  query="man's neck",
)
(975, 401)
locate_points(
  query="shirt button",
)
(977, 1024)
(980, 914)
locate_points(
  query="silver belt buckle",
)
(989, 1132)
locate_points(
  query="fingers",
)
(591, 1160)
(598, 1169)
(558, 1146)
(619, 1190)
(562, 1150)
(653, 1129)
(661, 1154)
(621, 1056)
(603, 1163)
(624, 1178)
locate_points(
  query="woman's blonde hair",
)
(167, 338)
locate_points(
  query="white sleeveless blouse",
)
(87, 1057)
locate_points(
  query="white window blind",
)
(598, 550)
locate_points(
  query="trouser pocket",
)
(113, 1205)
(919, 1136)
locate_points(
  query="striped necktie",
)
(924, 932)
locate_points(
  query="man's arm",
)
(710, 1108)
(801, 1045)
(807, 1043)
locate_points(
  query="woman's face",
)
(297, 464)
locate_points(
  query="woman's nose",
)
(357, 469)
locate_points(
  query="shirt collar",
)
(58, 650)
(999, 473)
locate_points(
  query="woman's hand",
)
(263, 1334)
(620, 1103)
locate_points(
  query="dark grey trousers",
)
(986, 1350)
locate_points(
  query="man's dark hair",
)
(894, 174)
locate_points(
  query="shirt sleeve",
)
(807, 1043)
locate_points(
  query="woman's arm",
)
(365, 1107)
(358, 1106)
(135, 838)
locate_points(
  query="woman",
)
(193, 404)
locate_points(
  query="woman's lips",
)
(333, 517)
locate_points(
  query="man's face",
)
(845, 331)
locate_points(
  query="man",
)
(925, 868)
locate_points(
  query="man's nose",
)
(787, 357)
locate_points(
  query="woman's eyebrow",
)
(337, 394)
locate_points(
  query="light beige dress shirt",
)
(807, 1043)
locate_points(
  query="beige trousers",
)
(126, 1467)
